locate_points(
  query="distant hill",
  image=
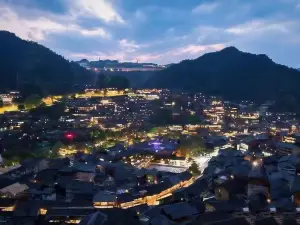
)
(136, 73)
(114, 64)
(28, 63)
(136, 78)
(234, 75)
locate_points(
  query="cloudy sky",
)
(161, 31)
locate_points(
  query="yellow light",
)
(9, 209)
(43, 211)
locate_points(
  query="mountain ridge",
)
(26, 62)
(234, 75)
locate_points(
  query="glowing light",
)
(69, 136)
(255, 163)
(156, 143)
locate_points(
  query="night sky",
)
(160, 31)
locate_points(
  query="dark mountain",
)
(234, 75)
(25, 63)
(83, 61)
(136, 78)
(105, 81)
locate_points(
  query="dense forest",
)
(119, 82)
(136, 78)
(234, 75)
(26, 64)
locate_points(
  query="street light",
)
(255, 163)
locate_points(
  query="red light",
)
(69, 136)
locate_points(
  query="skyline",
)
(156, 31)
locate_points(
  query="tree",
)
(162, 117)
(53, 112)
(32, 101)
(157, 130)
(54, 152)
(191, 146)
(30, 63)
(29, 89)
(193, 119)
(98, 135)
(194, 169)
(21, 107)
(119, 82)
(101, 81)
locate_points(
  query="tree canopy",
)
(194, 169)
(32, 101)
(53, 112)
(118, 82)
(191, 146)
(26, 63)
(162, 117)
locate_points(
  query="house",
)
(258, 202)
(230, 188)
(258, 181)
(122, 174)
(266, 220)
(284, 204)
(193, 191)
(229, 206)
(48, 194)
(67, 215)
(104, 199)
(34, 190)
(271, 163)
(160, 220)
(113, 216)
(14, 190)
(287, 148)
(85, 177)
(232, 221)
(145, 176)
(280, 187)
(79, 189)
(295, 190)
(99, 177)
(211, 217)
(26, 212)
(94, 219)
(46, 177)
(27, 167)
(57, 164)
(241, 170)
(7, 204)
(35, 165)
(180, 211)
